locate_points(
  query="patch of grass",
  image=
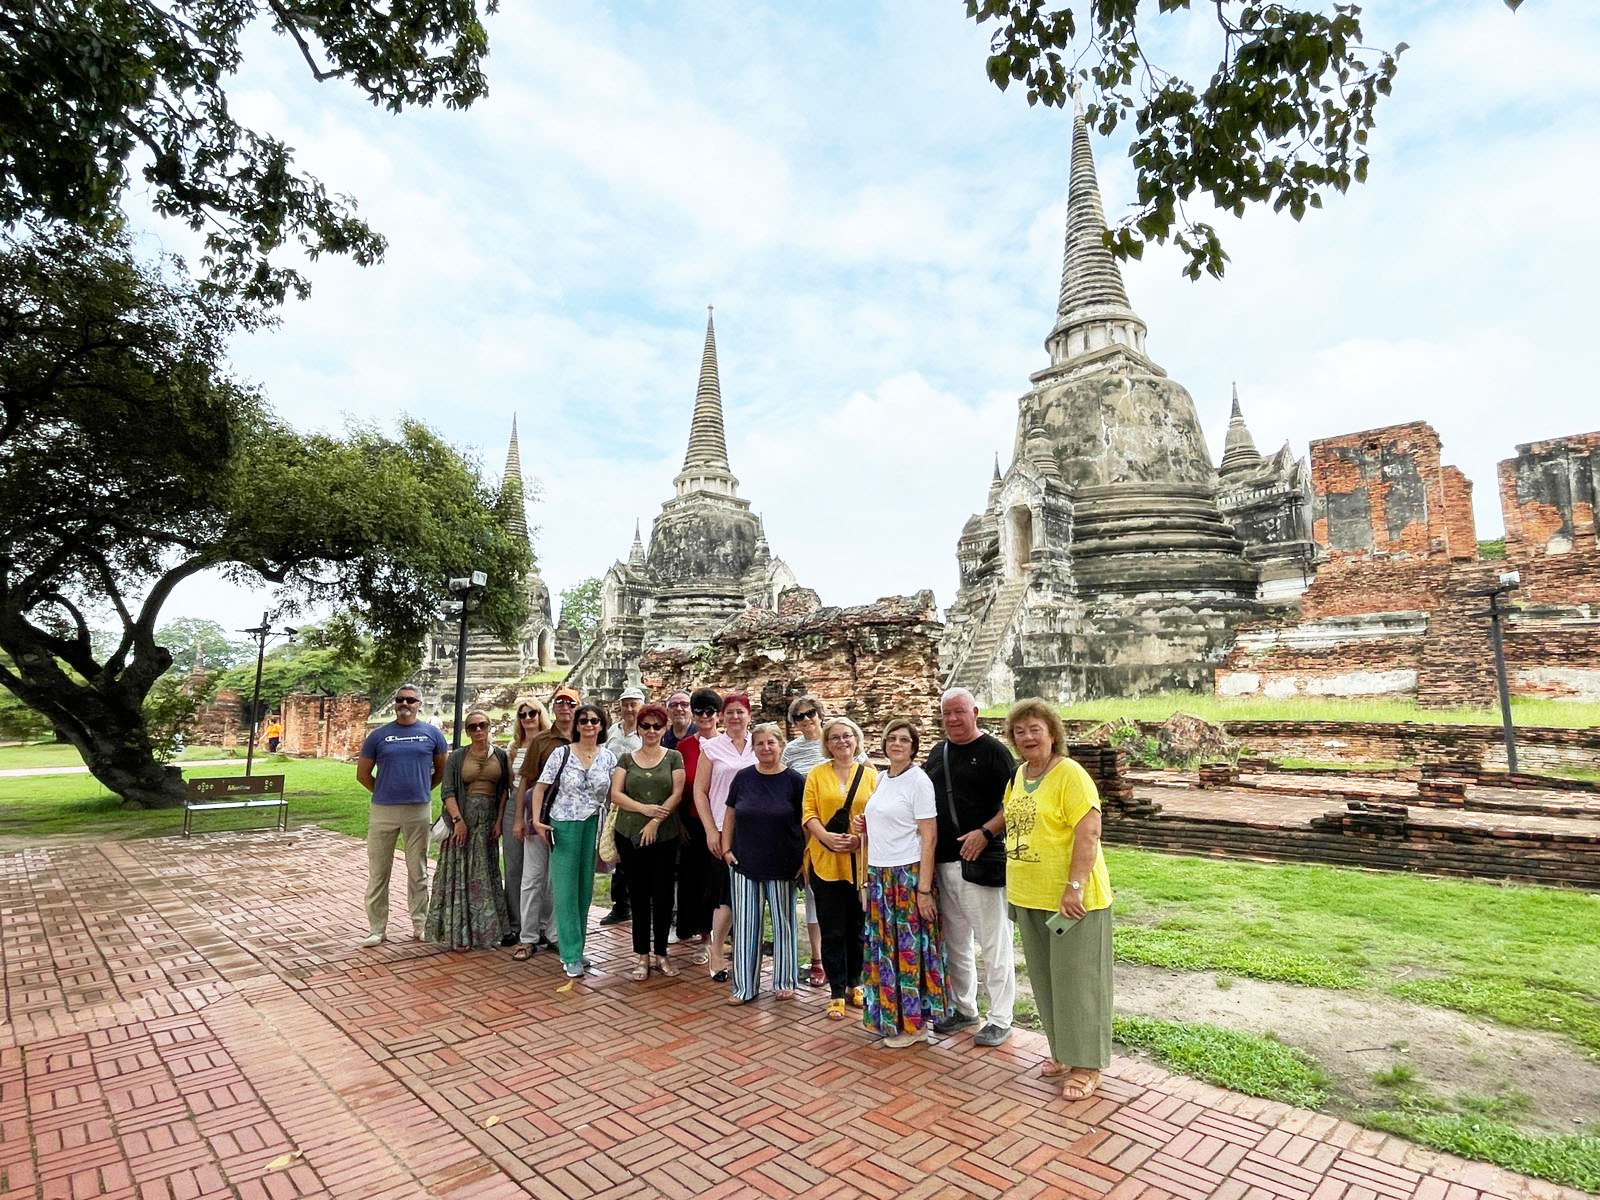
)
(1397, 1078)
(321, 791)
(1529, 1003)
(1242, 1062)
(1524, 710)
(59, 754)
(1224, 983)
(1519, 954)
(1572, 1161)
(1355, 767)
(1182, 951)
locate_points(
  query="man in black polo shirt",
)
(970, 771)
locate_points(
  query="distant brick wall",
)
(1548, 496)
(324, 726)
(220, 722)
(1385, 493)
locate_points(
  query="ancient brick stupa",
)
(708, 559)
(1101, 564)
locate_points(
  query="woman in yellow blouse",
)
(1060, 896)
(831, 866)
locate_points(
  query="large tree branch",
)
(287, 20)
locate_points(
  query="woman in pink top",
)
(721, 758)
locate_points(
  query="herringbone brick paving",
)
(193, 1019)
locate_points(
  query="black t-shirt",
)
(982, 768)
(767, 838)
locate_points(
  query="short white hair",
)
(956, 693)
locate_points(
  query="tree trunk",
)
(121, 757)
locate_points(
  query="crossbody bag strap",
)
(950, 789)
(550, 792)
(840, 821)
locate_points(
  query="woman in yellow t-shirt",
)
(1056, 875)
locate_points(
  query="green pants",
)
(572, 883)
(1070, 974)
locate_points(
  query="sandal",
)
(786, 994)
(665, 965)
(835, 1010)
(1081, 1084)
(857, 998)
(1053, 1070)
(522, 953)
(641, 970)
(720, 976)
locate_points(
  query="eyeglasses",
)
(408, 700)
(677, 704)
(805, 716)
(651, 727)
(841, 737)
(588, 720)
(474, 726)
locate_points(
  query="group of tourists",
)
(915, 876)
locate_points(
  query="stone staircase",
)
(973, 666)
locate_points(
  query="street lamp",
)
(465, 588)
(1509, 581)
(261, 633)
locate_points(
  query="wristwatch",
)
(1075, 885)
(988, 834)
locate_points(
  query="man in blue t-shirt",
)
(408, 756)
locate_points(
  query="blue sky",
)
(879, 230)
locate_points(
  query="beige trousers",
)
(385, 823)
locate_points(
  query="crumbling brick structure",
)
(324, 726)
(221, 721)
(869, 662)
(1396, 607)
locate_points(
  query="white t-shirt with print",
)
(893, 809)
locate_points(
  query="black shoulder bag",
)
(840, 821)
(550, 792)
(989, 868)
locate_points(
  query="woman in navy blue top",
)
(763, 844)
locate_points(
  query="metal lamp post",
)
(261, 633)
(464, 588)
(1509, 581)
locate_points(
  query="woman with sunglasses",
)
(530, 719)
(721, 758)
(468, 906)
(567, 804)
(647, 788)
(695, 863)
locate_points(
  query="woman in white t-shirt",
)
(903, 974)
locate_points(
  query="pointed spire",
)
(1239, 450)
(1091, 282)
(997, 466)
(705, 463)
(636, 554)
(514, 511)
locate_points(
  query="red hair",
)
(739, 698)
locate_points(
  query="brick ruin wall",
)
(324, 726)
(220, 721)
(869, 662)
(1391, 611)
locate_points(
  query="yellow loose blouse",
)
(824, 796)
(1040, 830)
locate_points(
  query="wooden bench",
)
(255, 791)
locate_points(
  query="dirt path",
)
(1354, 1034)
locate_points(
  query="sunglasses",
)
(588, 720)
(474, 726)
(651, 727)
(407, 700)
(705, 712)
(805, 716)
(523, 716)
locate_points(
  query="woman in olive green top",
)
(646, 788)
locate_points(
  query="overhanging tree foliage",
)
(130, 461)
(92, 89)
(1284, 119)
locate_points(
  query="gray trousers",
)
(511, 864)
(386, 823)
(535, 900)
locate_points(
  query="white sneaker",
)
(416, 933)
(372, 939)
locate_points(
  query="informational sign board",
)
(204, 791)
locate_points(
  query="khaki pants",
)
(386, 822)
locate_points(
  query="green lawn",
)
(320, 791)
(1307, 708)
(1527, 956)
(59, 754)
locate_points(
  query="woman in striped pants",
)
(763, 845)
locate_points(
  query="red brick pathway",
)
(194, 1019)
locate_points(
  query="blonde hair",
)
(767, 727)
(855, 731)
(1035, 708)
(518, 738)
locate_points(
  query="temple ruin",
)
(707, 560)
(1104, 562)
